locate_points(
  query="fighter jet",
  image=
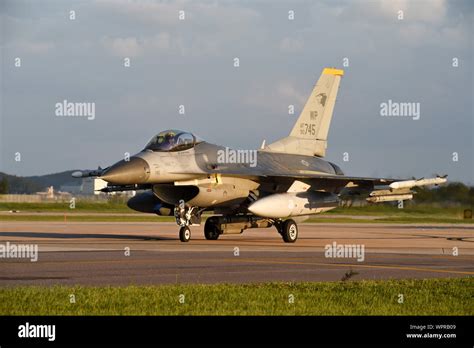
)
(179, 174)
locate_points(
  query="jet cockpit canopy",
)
(172, 140)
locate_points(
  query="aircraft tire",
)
(289, 231)
(184, 234)
(211, 232)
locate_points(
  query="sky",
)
(404, 51)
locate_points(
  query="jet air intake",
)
(147, 202)
(282, 205)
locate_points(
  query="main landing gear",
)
(288, 230)
(217, 225)
(211, 229)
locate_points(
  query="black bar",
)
(241, 330)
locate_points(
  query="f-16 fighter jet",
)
(178, 174)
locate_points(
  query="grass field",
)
(89, 218)
(421, 297)
(59, 207)
(121, 207)
(392, 220)
(409, 210)
(367, 214)
(155, 218)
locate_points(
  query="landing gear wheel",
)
(184, 234)
(289, 231)
(211, 232)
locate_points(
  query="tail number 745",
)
(307, 128)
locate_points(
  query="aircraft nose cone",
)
(134, 171)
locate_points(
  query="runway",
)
(104, 253)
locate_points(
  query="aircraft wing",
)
(376, 189)
(256, 173)
(394, 184)
(340, 179)
(310, 176)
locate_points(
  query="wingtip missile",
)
(77, 174)
(421, 182)
(87, 173)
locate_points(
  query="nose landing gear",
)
(185, 217)
(184, 234)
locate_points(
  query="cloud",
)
(204, 13)
(209, 28)
(162, 41)
(432, 11)
(385, 12)
(133, 47)
(424, 23)
(275, 99)
(286, 91)
(123, 47)
(291, 45)
(35, 47)
(143, 11)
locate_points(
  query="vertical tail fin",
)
(310, 132)
(313, 122)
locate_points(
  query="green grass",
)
(392, 220)
(156, 218)
(121, 207)
(382, 213)
(81, 207)
(89, 218)
(410, 209)
(424, 220)
(421, 297)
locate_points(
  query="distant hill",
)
(33, 184)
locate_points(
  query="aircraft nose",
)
(134, 171)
